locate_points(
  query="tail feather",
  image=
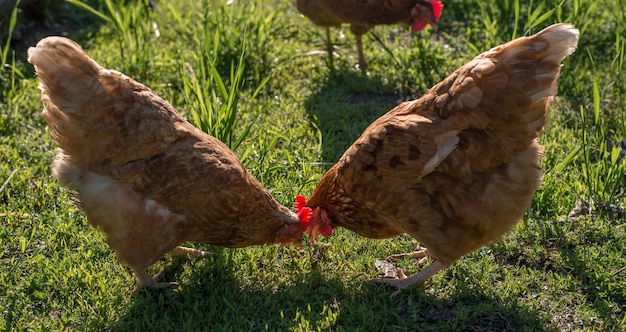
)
(553, 43)
(62, 66)
(535, 64)
(563, 39)
(99, 115)
(504, 94)
(545, 50)
(518, 78)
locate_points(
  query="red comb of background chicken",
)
(437, 8)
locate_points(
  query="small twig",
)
(19, 215)
(618, 271)
(86, 303)
(315, 163)
(7, 181)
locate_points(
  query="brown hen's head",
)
(425, 12)
(291, 229)
(314, 222)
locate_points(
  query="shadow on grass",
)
(213, 299)
(345, 105)
(573, 260)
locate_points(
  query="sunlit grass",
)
(248, 73)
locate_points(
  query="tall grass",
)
(260, 24)
(618, 64)
(603, 167)
(133, 27)
(12, 82)
(5, 50)
(213, 101)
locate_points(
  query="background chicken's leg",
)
(330, 48)
(358, 31)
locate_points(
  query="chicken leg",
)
(189, 253)
(144, 280)
(358, 31)
(401, 281)
(420, 253)
(330, 49)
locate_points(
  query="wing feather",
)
(401, 146)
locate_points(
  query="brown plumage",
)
(456, 168)
(365, 14)
(144, 175)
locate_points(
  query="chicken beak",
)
(422, 15)
(434, 24)
(432, 18)
(290, 233)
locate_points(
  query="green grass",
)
(247, 73)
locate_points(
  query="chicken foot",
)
(359, 48)
(358, 31)
(401, 281)
(420, 253)
(144, 280)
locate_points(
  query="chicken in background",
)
(456, 168)
(363, 15)
(144, 175)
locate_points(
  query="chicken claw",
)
(189, 253)
(420, 253)
(145, 281)
(400, 281)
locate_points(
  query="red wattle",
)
(326, 230)
(419, 25)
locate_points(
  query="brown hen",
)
(365, 14)
(146, 177)
(456, 168)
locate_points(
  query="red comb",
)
(437, 7)
(304, 212)
(300, 203)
